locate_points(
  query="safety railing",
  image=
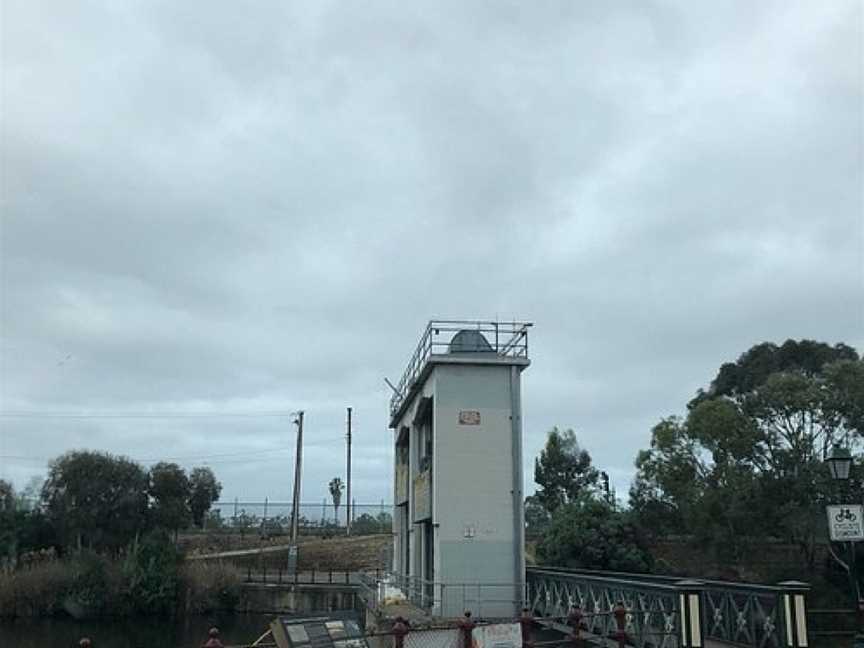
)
(504, 338)
(669, 612)
(266, 575)
(520, 631)
(443, 599)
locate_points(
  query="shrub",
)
(210, 585)
(150, 572)
(35, 592)
(591, 534)
(95, 586)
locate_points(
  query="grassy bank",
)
(93, 586)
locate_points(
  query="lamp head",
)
(839, 462)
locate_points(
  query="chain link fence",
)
(273, 518)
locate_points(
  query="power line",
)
(141, 415)
(189, 457)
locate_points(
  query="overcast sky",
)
(215, 207)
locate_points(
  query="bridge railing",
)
(667, 612)
(444, 599)
(653, 609)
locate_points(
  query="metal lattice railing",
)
(745, 614)
(732, 613)
(509, 339)
(652, 611)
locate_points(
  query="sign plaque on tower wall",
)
(469, 417)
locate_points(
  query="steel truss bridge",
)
(667, 612)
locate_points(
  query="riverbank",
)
(94, 586)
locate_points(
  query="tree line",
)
(102, 502)
(743, 463)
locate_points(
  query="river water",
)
(189, 632)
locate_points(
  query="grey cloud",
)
(257, 210)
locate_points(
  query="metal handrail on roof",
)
(508, 339)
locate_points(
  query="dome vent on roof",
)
(468, 341)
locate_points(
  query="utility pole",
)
(348, 507)
(295, 511)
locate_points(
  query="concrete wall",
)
(476, 518)
(473, 476)
(300, 599)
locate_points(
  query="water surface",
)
(189, 632)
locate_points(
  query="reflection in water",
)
(144, 632)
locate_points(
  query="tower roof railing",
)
(508, 339)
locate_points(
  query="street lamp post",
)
(840, 464)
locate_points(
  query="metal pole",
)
(518, 502)
(295, 513)
(690, 611)
(856, 594)
(794, 613)
(348, 498)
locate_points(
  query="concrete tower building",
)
(458, 507)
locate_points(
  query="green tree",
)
(95, 499)
(7, 496)
(563, 471)
(747, 460)
(171, 493)
(537, 518)
(8, 522)
(335, 486)
(204, 490)
(753, 367)
(591, 534)
(367, 524)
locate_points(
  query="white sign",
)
(846, 522)
(499, 635)
(469, 417)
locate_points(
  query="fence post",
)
(794, 609)
(526, 621)
(574, 620)
(466, 628)
(400, 629)
(690, 614)
(620, 614)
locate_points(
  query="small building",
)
(458, 507)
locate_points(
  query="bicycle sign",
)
(846, 522)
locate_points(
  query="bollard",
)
(526, 622)
(620, 614)
(794, 613)
(213, 641)
(690, 611)
(400, 629)
(574, 620)
(466, 628)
